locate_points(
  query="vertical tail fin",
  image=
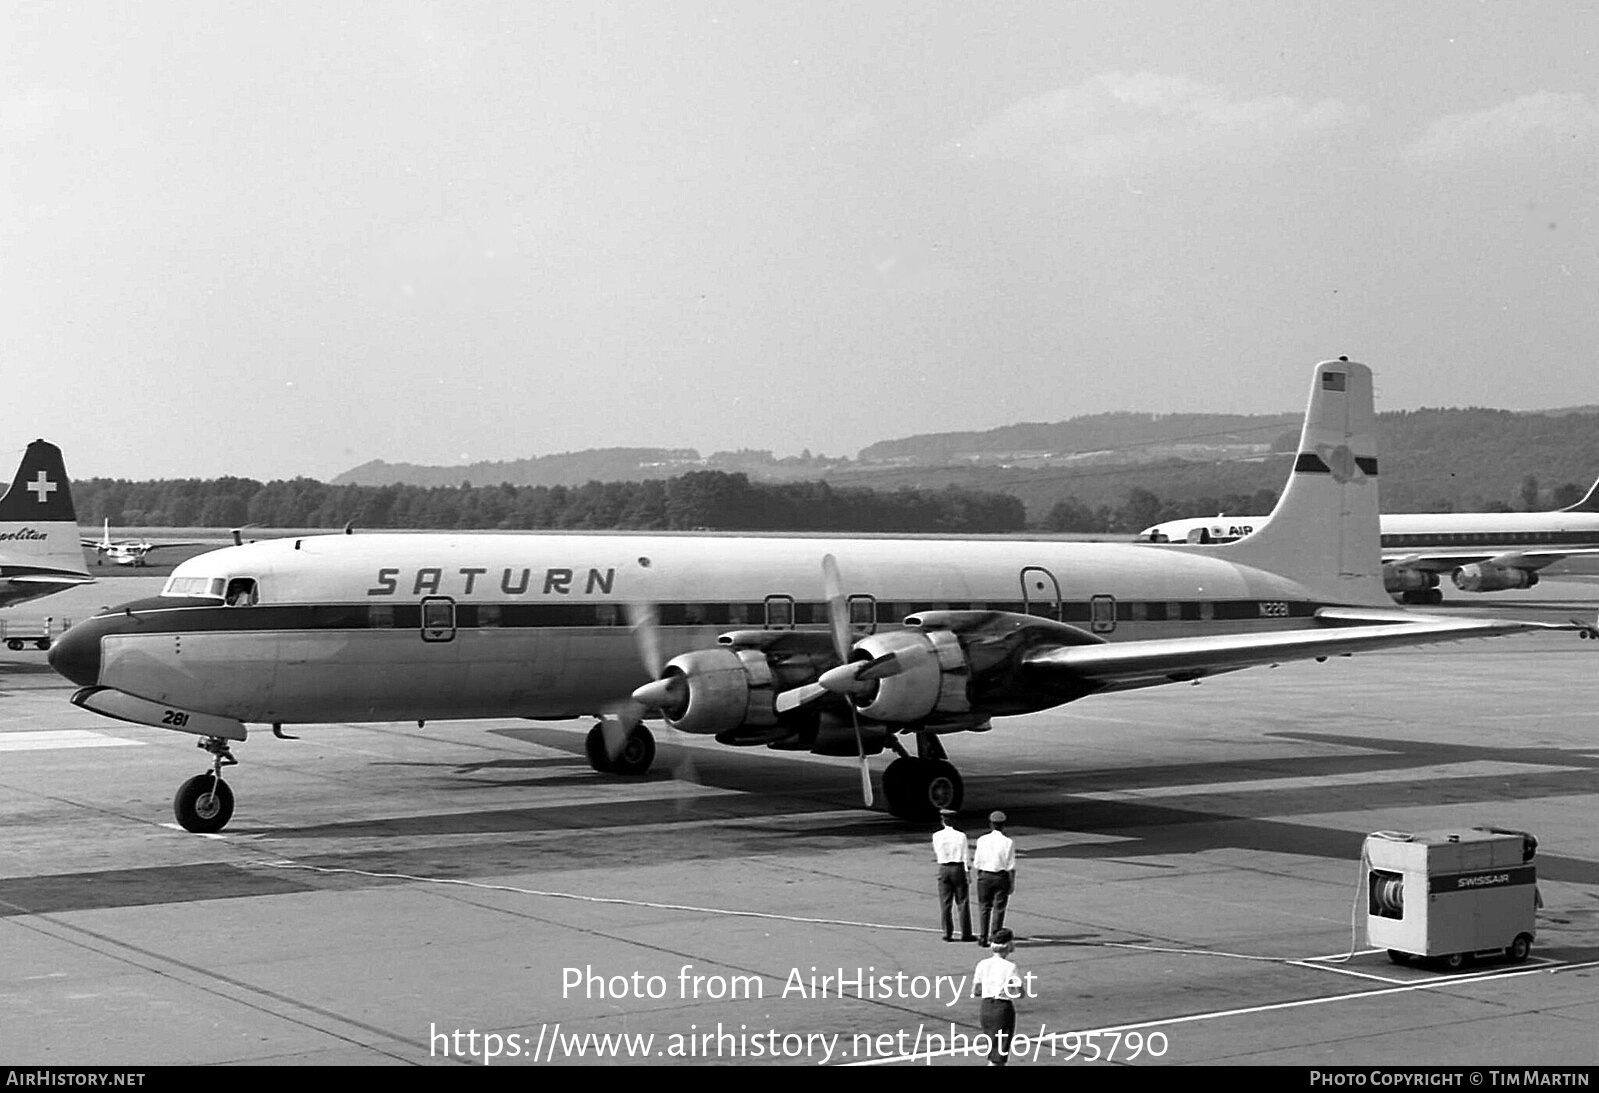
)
(1324, 531)
(1589, 502)
(38, 524)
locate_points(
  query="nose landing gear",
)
(204, 804)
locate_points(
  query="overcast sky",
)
(285, 238)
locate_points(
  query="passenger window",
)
(779, 613)
(862, 614)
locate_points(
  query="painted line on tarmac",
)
(1192, 1018)
(1470, 769)
(650, 904)
(48, 739)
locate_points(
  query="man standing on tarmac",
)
(949, 850)
(995, 981)
(995, 862)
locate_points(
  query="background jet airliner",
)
(834, 646)
(1481, 551)
(125, 551)
(39, 548)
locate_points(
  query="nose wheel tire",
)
(204, 804)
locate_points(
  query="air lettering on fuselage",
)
(514, 581)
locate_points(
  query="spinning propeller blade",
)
(838, 616)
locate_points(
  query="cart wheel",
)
(1518, 949)
(1398, 957)
(1453, 962)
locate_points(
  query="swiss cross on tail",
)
(43, 487)
(40, 491)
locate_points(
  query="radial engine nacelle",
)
(945, 671)
(1487, 577)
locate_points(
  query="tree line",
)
(699, 500)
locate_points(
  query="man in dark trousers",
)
(995, 862)
(949, 850)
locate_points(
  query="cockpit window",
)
(193, 586)
(241, 592)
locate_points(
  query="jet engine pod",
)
(1398, 578)
(1487, 577)
(718, 691)
(930, 678)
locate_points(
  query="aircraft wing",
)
(1505, 559)
(1120, 666)
(51, 578)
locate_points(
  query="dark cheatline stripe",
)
(1310, 463)
(210, 618)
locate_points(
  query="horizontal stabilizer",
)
(50, 578)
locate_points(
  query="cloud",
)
(1544, 121)
(1115, 122)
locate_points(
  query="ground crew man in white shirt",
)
(995, 862)
(950, 851)
(996, 982)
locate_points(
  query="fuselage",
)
(1484, 532)
(399, 627)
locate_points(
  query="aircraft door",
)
(1040, 592)
(438, 618)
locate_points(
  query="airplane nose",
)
(76, 654)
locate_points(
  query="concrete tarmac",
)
(1187, 892)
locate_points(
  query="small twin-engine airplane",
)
(125, 551)
(39, 548)
(834, 646)
(1481, 551)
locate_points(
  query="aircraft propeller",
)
(621, 719)
(838, 616)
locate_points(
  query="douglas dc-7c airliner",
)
(834, 646)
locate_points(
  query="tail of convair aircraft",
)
(40, 551)
(1324, 532)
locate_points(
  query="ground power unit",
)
(1450, 896)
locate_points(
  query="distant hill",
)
(1432, 460)
(591, 465)
(1116, 433)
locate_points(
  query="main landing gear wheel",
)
(204, 804)
(638, 752)
(917, 788)
(594, 748)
